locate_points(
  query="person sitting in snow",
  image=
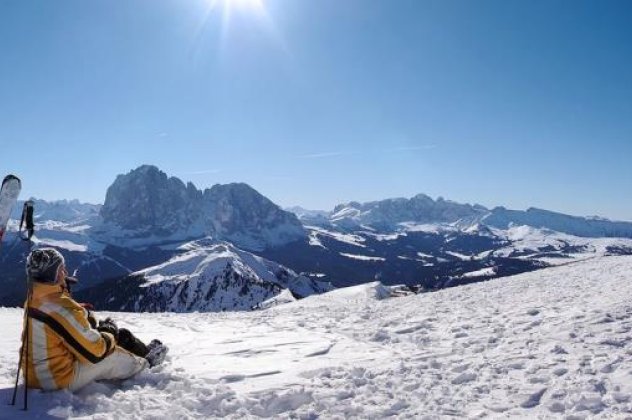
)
(67, 349)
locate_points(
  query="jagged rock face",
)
(239, 213)
(147, 200)
(419, 209)
(150, 203)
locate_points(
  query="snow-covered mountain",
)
(388, 214)
(207, 276)
(503, 218)
(554, 343)
(396, 214)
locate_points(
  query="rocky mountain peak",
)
(237, 210)
(149, 202)
(146, 199)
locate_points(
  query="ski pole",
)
(17, 376)
(28, 322)
(26, 370)
(24, 348)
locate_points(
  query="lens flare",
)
(244, 4)
(218, 15)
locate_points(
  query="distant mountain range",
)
(64, 211)
(389, 215)
(230, 248)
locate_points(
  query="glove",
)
(109, 326)
(92, 320)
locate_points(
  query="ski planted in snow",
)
(9, 192)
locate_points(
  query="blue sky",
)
(515, 103)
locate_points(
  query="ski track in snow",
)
(555, 343)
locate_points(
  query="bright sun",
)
(243, 4)
(251, 12)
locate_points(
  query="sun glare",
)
(244, 5)
(251, 12)
(239, 5)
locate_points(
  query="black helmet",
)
(43, 264)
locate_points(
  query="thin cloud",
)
(414, 148)
(322, 155)
(204, 172)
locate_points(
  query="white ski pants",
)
(121, 364)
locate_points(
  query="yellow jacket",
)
(60, 335)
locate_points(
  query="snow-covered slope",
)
(554, 248)
(548, 344)
(207, 276)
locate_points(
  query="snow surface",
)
(384, 237)
(527, 239)
(315, 232)
(487, 271)
(436, 228)
(555, 343)
(459, 256)
(362, 257)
